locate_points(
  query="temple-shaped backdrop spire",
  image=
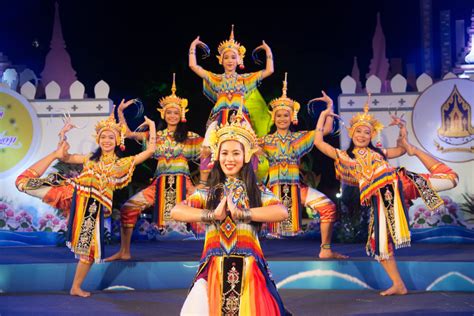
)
(465, 67)
(378, 64)
(470, 44)
(356, 75)
(57, 65)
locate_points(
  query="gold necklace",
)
(106, 163)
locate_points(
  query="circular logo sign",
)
(443, 122)
(19, 131)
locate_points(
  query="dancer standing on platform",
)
(227, 90)
(284, 149)
(88, 196)
(382, 187)
(175, 146)
(233, 277)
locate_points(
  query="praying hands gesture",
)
(220, 212)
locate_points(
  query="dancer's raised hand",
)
(325, 98)
(401, 123)
(68, 125)
(125, 104)
(147, 122)
(61, 151)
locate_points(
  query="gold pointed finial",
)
(285, 85)
(232, 32)
(366, 105)
(173, 86)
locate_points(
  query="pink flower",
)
(452, 210)
(446, 199)
(419, 209)
(56, 221)
(10, 213)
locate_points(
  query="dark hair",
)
(98, 152)
(352, 146)
(217, 179)
(180, 134)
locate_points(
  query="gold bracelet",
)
(207, 216)
(246, 215)
(192, 51)
(269, 57)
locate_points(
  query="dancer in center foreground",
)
(89, 195)
(384, 189)
(284, 149)
(233, 277)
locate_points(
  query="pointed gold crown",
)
(232, 44)
(173, 100)
(239, 130)
(285, 103)
(365, 119)
(110, 125)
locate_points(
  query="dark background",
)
(135, 46)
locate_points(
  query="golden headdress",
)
(365, 119)
(239, 130)
(173, 100)
(285, 103)
(233, 45)
(109, 124)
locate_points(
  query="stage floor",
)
(35, 280)
(299, 302)
(274, 250)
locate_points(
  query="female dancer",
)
(227, 90)
(284, 149)
(382, 187)
(89, 195)
(233, 276)
(175, 146)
